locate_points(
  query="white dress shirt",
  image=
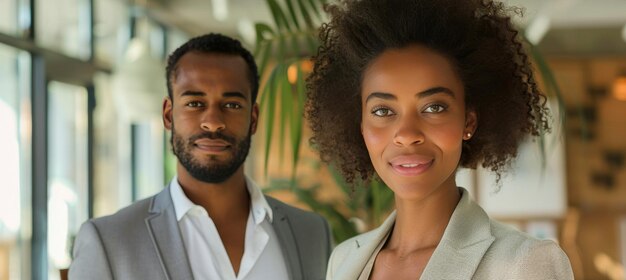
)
(262, 257)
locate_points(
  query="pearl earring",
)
(468, 136)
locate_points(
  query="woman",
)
(406, 91)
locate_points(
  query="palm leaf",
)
(292, 13)
(285, 100)
(268, 101)
(297, 120)
(280, 19)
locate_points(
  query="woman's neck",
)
(421, 224)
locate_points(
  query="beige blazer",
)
(472, 247)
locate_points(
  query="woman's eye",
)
(194, 104)
(382, 112)
(233, 106)
(435, 108)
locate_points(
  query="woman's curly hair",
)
(478, 38)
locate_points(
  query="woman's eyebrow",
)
(381, 95)
(435, 90)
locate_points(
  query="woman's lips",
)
(411, 165)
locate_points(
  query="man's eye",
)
(435, 108)
(194, 104)
(382, 112)
(233, 106)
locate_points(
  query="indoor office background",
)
(81, 86)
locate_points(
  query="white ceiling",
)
(575, 13)
(196, 16)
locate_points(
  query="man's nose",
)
(213, 120)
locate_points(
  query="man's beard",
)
(210, 172)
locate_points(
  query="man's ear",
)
(167, 113)
(254, 118)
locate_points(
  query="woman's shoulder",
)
(351, 255)
(348, 257)
(366, 239)
(521, 256)
(510, 239)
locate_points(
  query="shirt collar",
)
(260, 208)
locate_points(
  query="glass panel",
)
(157, 39)
(112, 176)
(170, 160)
(8, 16)
(67, 175)
(15, 162)
(110, 29)
(175, 39)
(147, 158)
(63, 25)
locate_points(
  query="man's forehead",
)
(210, 61)
(212, 58)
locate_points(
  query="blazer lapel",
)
(362, 248)
(165, 235)
(465, 240)
(287, 240)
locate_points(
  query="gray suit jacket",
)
(472, 247)
(143, 241)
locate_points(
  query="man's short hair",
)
(213, 43)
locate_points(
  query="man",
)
(211, 222)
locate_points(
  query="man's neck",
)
(225, 201)
(228, 205)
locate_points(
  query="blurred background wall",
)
(81, 86)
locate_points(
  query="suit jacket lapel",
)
(465, 240)
(165, 235)
(287, 240)
(362, 248)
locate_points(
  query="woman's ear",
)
(471, 121)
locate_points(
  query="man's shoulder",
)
(291, 211)
(310, 232)
(126, 216)
(304, 223)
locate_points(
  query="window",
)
(175, 39)
(8, 16)
(147, 158)
(111, 30)
(67, 171)
(15, 162)
(65, 29)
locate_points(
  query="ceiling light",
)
(246, 30)
(220, 10)
(537, 29)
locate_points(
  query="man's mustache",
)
(213, 136)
